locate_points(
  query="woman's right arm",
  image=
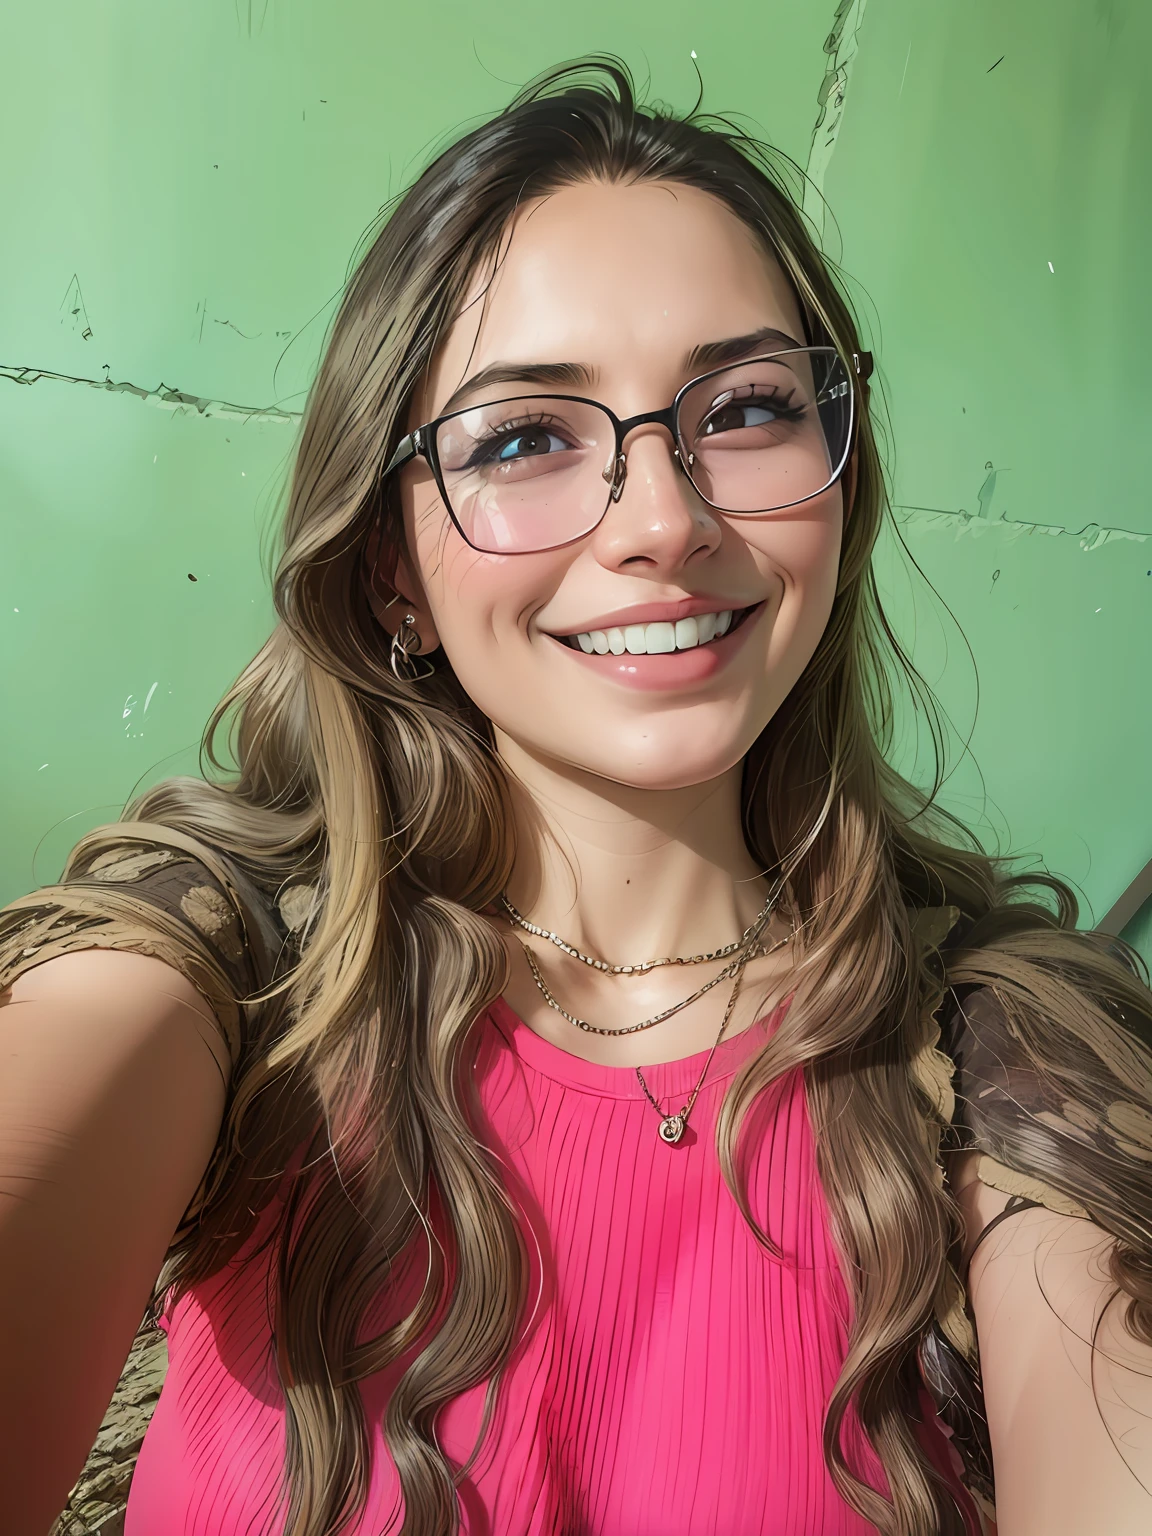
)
(112, 1089)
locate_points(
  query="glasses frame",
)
(421, 441)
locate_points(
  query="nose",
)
(617, 471)
(662, 520)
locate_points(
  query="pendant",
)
(671, 1128)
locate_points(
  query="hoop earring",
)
(406, 644)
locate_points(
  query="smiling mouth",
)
(660, 639)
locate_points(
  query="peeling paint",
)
(163, 395)
(985, 494)
(1091, 536)
(841, 47)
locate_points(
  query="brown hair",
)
(391, 800)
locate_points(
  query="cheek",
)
(427, 533)
(805, 556)
(449, 569)
(811, 553)
(476, 599)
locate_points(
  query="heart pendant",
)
(671, 1128)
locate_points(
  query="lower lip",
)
(671, 669)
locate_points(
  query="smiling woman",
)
(581, 679)
(609, 510)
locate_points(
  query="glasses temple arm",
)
(407, 448)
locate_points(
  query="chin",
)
(666, 769)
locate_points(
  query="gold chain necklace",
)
(672, 1127)
(751, 951)
(628, 1029)
(646, 965)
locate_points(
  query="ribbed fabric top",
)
(672, 1378)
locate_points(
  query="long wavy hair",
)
(390, 800)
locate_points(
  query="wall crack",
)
(163, 395)
(841, 47)
(1091, 536)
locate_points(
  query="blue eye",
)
(532, 443)
(519, 445)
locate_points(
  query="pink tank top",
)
(672, 1377)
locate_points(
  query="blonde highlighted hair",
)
(389, 799)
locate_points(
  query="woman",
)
(613, 1068)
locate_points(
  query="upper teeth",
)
(654, 639)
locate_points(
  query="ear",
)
(387, 578)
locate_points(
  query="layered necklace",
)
(748, 945)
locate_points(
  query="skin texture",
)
(630, 797)
(1071, 1431)
(111, 1094)
(627, 801)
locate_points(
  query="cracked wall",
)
(990, 190)
(180, 225)
(176, 232)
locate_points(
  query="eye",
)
(506, 445)
(529, 442)
(749, 411)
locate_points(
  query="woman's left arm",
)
(1070, 1419)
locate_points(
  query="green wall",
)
(190, 182)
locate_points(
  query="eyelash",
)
(778, 403)
(504, 433)
(507, 429)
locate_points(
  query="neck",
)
(629, 874)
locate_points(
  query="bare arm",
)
(1071, 1428)
(111, 1095)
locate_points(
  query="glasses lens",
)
(526, 474)
(768, 433)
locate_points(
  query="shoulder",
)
(1058, 1114)
(156, 892)
(1046, 1137)
(1048, 1111)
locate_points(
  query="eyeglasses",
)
(535, 472)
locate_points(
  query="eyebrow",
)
(577, 375)
(709, 354)
(714, 354)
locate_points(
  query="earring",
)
(405, 648)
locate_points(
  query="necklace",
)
(672, 1127)
(734, 969)
(749, 944)
(646, 965)
(629, 1029)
